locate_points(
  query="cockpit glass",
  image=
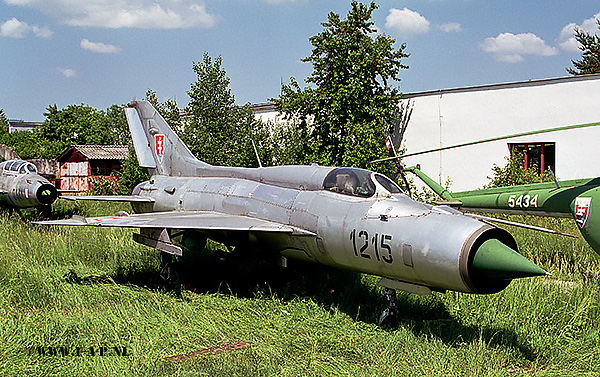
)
(350, 181)
(31, 168)
(18, 166)
(388, 184)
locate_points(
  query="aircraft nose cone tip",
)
(493, 259)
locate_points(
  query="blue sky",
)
(105, 52)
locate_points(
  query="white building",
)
(454, 116)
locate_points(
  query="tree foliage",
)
(590, 53)
(343, 118)
(513, 173)
(117, 125)
(131, 173)
(3, 123)
(217, 130)
(168, 109)
(26, 144)
(74, 125)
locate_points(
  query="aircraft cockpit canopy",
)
(17, 167)
(358, 182)
(350, 181)
(387, 184)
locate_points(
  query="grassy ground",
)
(70, 290)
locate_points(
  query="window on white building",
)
(538, 156)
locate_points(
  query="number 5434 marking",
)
(522, 201)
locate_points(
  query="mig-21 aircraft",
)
(343, 217)
(22, 187)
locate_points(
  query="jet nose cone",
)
(495, 260)
(46, 194)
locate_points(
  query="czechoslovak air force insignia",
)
(160, 146)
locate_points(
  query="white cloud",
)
(99, 47)
(42, 32)
(142, 14)
(406, 22)
(566, 39)
(451, 27)
(68, 72)
(14, 28)
(510, 48)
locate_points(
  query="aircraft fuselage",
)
(386, 234)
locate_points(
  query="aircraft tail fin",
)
(157, 146)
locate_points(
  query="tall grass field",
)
(85, 301)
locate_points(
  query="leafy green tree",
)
(75, 124)
(117, 123)
(3, 123)
(590, 53)
(343, 118)
(131, 173)
(513, 173)
(168, 109)
(26, 144)
(217, 130)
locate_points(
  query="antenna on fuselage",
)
(553, 177)
(256, 153)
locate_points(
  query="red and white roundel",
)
(160, 146)
(583, 207)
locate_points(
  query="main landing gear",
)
(167, 269)
(389, 316)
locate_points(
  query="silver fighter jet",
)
(349, 218)
(22, 187)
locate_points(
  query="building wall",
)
(75, 176)
(450, 117)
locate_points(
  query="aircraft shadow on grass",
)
(330, 287)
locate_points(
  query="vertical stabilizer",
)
(157, 146)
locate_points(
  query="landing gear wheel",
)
(389, 316)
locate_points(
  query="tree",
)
(168, 109)
(131, 173)
(117, 124)
(26, 144)
(513, 173)
(590, 53)
(3, 123)
(217, 130)
(343, 119)
(75, 124)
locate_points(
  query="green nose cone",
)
(495, 260)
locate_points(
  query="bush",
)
(513, 173)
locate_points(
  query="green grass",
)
(88, 287)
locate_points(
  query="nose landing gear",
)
(389, 316)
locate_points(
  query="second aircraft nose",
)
(46, 193)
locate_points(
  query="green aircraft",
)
(567, 199)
